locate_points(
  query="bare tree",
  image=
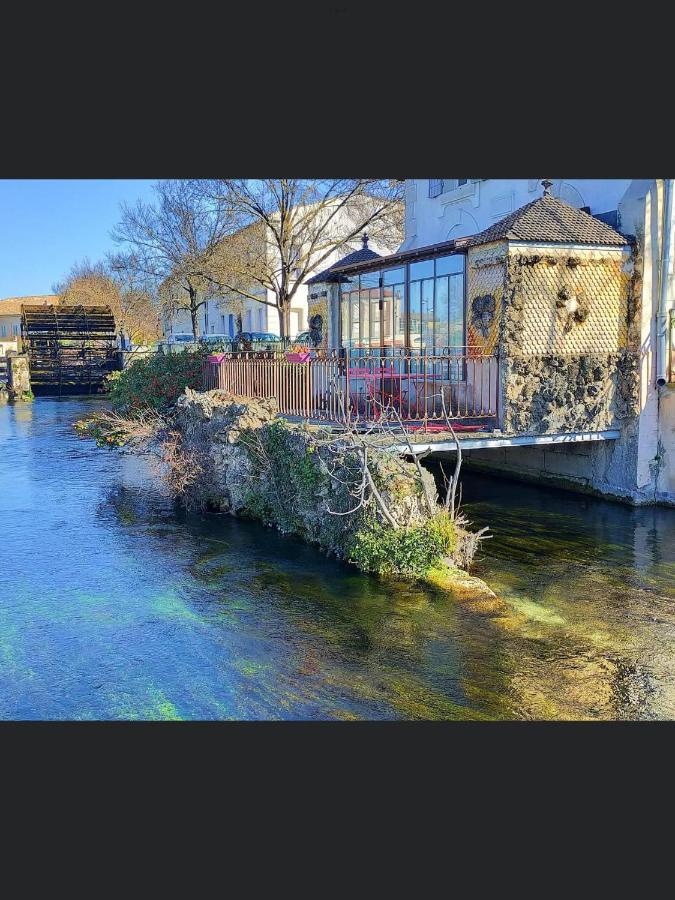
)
(139, 307)
(119, 286)
(286, 229)
(173, 241)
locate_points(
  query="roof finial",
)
(547, 184)
(364, 239)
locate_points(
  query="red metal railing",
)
(361, 385)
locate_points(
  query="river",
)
(115, 604)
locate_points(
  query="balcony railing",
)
(361, 386)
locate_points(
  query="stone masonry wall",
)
(570, 359)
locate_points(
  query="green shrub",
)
(156, 382)
(407, 551)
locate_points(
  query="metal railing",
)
(360, 385)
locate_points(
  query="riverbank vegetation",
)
(340, 490)
(155, 382)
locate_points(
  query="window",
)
(435, 187)
(438, 186)
(222, 323)
(375, 317)
(4, 331)
(15, 330)
(230, 324)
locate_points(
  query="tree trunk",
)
(194, 310)
(284, 319)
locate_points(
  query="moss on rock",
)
(305, 481)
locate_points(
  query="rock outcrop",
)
(307, 481)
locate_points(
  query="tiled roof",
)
(11, 306)
(549, 220)
(331, 273)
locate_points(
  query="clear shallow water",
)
(115, 604)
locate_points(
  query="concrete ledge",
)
(523, 440)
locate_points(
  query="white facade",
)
(219, 316)
(643, 460)
(461, 210)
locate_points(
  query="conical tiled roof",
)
(549, 220)
(330, 274)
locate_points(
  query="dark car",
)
(255, 339)
(303, 338)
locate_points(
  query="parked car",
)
(255, 337)
(175, 343)
(303, 338)
(215, 339)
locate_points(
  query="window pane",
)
(422, 269)
(441, 314)
(370, 279)
(375, 336)
(354, 306)
(415, 315)
(428, 314)
(456, 311)
(393, 276)
(344, 321)
(387, 315)
(399, 316)
(448, 265)
(364, 340)
(435, 186)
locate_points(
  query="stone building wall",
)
(568, 340)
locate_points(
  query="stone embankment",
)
(362, 504)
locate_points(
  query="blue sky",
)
(47, 225)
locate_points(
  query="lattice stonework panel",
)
(485, 292)
(317, 317)
(569, 301)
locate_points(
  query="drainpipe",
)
(662, 317)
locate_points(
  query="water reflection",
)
(132, 609)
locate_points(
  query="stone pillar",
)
(18, 377)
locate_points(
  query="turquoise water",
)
(116, 605)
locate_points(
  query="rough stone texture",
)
(556, 394)
(255, 464)
(18, 376)
(570, 360)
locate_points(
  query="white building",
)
(641, 465)
(221, 316)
